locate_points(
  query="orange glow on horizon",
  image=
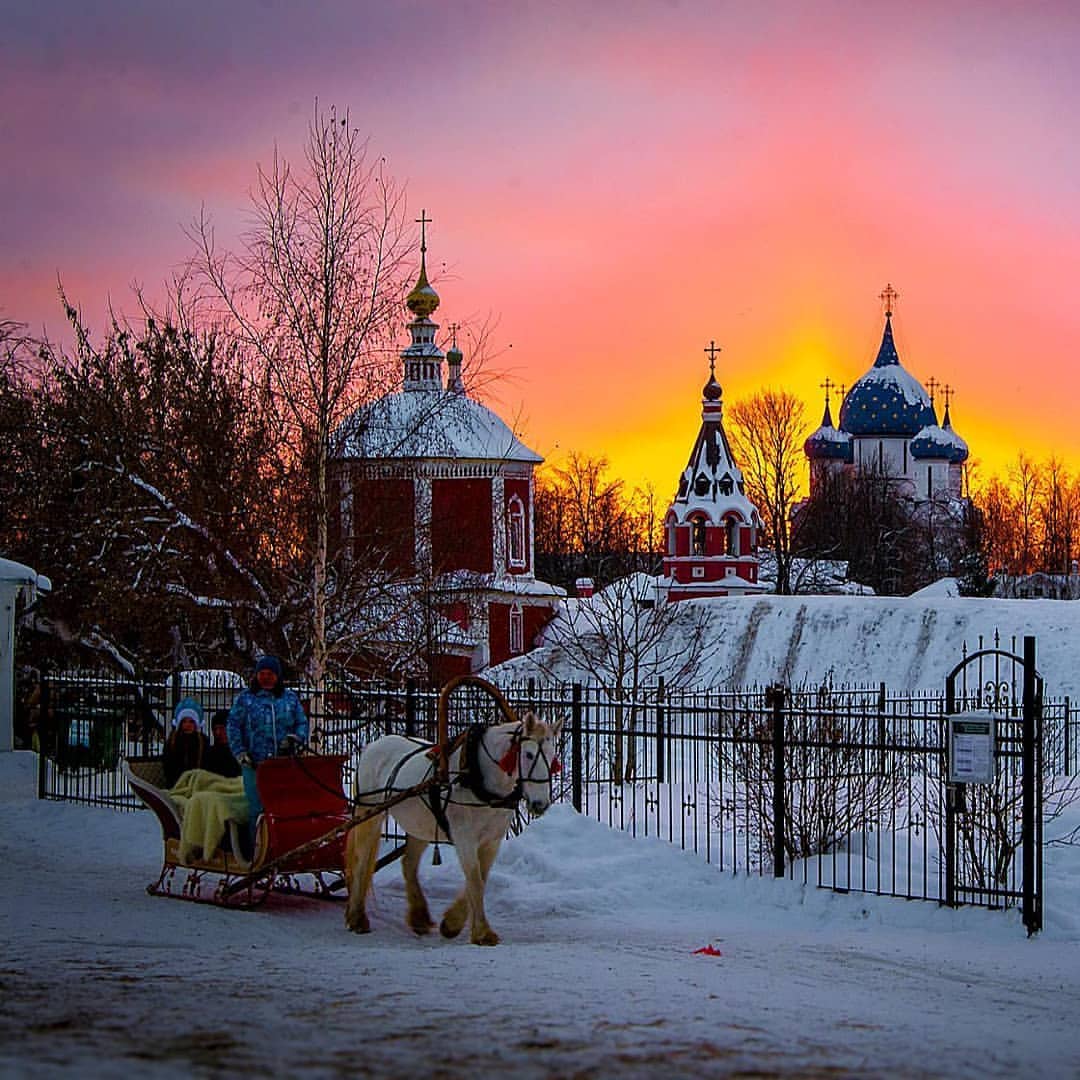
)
(616, 191)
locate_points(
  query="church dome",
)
(887, 402)
(932, 443)
(827, 443)
(423, 299)
(430, 424)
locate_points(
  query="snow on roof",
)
(211, 679)
(15, 571)
(431, 424)
(516, 584)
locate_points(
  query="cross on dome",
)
(423, 220)
(712, 349)
(932, 384)
(888, 296)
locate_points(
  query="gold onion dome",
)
(423, 299)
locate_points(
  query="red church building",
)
(711, 528)
(443, 487)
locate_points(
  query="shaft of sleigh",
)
(270, 867)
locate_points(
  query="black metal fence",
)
(836, 787)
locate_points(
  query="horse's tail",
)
(443, 766)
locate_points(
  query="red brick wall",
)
(384, 513)
(461, 525)
(499, 632)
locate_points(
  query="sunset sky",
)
(618, 183)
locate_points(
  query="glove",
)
(243, 759)
(290, 746)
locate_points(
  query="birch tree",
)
(313, 293)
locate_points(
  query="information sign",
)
(971, 748)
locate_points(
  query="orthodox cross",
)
(948, 391)
(932, 384)
(827, 385)
(840, 390)
(887, 296)
(423, 220)
(712, 350)
(454, 328)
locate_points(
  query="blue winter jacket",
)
(260, 719)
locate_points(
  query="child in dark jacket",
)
(218, 757)
(185, 747)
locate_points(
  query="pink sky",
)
(617, 183)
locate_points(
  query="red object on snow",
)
(707, 950)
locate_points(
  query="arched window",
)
(731, 536)
(515, 532)
(517, 631)
(697, 536)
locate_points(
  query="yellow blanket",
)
(207, 801)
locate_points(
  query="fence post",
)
(775, 696)
(174, 690)
(44, 731)
(410, 706)
(881, 705)
(661, 733)
(575, 748)
(1031, 917)
(1068, 755)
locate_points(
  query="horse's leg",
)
(488, 850)
(480, 932)
(361, 852)
(455, 916)
(419, 917)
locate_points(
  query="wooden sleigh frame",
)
(302, 801)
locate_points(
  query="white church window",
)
(517, 630)
(515, 531)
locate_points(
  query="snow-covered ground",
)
(909, 643)
(597, 975)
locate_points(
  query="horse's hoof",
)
(447, 930)
(421, 926)
(359, 926)
(490, 938)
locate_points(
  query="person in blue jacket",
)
(266, 720)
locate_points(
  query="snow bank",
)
(909, 643)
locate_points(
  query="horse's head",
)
(537, 761)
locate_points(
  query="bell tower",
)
(711, 527)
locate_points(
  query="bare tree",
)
(313, 292)
(588, 525)
(625, 639)
(766, 432)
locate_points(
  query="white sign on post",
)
(971, 748)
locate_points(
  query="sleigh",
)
(299, 837)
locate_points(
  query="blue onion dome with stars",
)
(939, 443)
(888, 401)
(827, 443)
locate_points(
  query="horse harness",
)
(470, 776)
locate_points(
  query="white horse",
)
(490, 771)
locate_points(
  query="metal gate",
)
(993, 782)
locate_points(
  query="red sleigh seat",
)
(302, 799)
